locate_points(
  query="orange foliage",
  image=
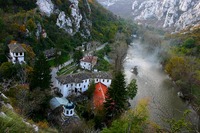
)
(29, 51)
(13, 42)
(22, 28)
(43, 124)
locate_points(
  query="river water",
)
(154, 84)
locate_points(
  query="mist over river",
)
(154, 84)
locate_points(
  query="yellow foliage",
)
(22, 28)
(29, 51)
(23, 86)
(13, 42)
(43, 124)
(28, 70)
(141, 108)
(174, 62)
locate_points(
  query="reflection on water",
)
(154, 84)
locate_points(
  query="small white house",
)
(88, 62)
(67, 106)
(16, 53)
(79, 82)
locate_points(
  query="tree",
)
(78, 54)
(31, 24)
(133, 121)
(132, 89)
(32, 103)
(41, 74)
(119, 53)
(2, 58)
(116, 97)
(89, 92)
(189, 43)
(7, 70)
(29, 52)
(179, 125)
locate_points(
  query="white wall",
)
(69, 113)
(85, 65)
(66, 88)
(106, 82)
(85, 84)
(18, 55)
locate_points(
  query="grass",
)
(103, 65)
(67, 69)
(13, 123)
(62, 59)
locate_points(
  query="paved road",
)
(54, 70)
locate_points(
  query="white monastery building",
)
(88, 62)
(16, 52)
(79, 82)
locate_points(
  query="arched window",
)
(67, 112)
(71, 112)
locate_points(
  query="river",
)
(154, 84)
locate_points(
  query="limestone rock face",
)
(72, 21)
(173, 14)
(45, 6)
(168, 13)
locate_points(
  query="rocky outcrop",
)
(45, 6)
(167, 13)
(72, 21)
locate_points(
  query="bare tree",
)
(119, 52)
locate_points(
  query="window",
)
(16, 53)
(79, 84)
(84, 63)
(20, 53)
(67, 112)
(66, 85)
(84, 86)
(71, 84)
(80, 89)
(103, 80)
(71, 112)
(108, 80)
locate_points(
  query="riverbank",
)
(154, 84)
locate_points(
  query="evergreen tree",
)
(41, 74)
(116, 98)
(132, 89)
(77, 56)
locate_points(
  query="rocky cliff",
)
(173, 14)
(71, 20)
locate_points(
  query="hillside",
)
(168, 14)
(39, 25)
(183, 63)
(67, 23)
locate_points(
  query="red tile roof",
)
(89, 59)
(99, 95)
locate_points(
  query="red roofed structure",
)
(99, 95)
(88, 62)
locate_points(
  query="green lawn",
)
(62, 59)
(67, 69)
